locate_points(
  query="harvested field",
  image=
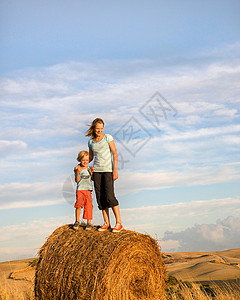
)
(99, 265)
(204, 266)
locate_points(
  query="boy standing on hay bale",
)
(103, 150)
(83, 178)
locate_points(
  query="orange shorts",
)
(84, 200)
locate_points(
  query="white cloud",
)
(202, 133)
(169, 245)
(157, 220)
(192, 209)
(47, 193)
(12, 146)
(16, 253)
(63, 98)
(37, 229)
(23, 240)
(18, 195)
(231, 139)
(119, 82)
(225, 234)
(24, 204)
(223, 53)
(130, 182)
(30, 86)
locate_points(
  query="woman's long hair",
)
(91, 129)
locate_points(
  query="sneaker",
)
(88, 227)
(76, 225)
(104, 227)
(118, 227)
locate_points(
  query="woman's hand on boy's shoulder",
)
(91, 170)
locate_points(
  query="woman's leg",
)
(110, 196)
(116, 212)
(105, 213)
(108, 190)
(97, 179)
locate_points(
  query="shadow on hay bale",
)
(99, 265)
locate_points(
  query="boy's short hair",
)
(81, 154)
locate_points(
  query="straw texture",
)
(84, 265)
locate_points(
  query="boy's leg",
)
(88, 207)
(77, 216)
(79, 204)
(77, 213)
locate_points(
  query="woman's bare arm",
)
(115, 159)
(90, 154)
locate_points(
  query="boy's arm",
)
(77, 167)
(77, 171)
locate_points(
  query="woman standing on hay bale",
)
(102, 148)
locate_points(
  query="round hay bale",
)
(99, 265)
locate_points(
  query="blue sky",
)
(165, 79)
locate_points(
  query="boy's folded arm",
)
(77, 179)
(77, 168)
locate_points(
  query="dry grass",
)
(184, 291)
(17, 279)
(5, 294)
(93, 265)
(175, 291)
(197, 291)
